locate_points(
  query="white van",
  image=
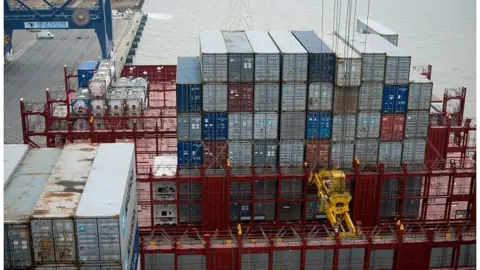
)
(45, 35)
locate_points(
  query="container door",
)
(42, 235)
(18, 246)
(65, 249)
(109, 239)
(87, 240)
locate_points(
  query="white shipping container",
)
(267, 56)
(20, 197)
(294, 57)
(165, 165)
(320, 96)
(341, 156)
(165, 214)
(109, 217)
(14, 155)
(213, 55)
(140, 82)
(116, 101)
(349, 63)
(371, 95)
(98, 107)
(99, 85)
(136, 101)
(419, 91)
(52, 225)
(390, 154)
(369, 26)
(414, 151)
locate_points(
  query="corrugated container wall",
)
(111, 216)
(321, 59)
(317, 153)
(419, 91)
(345, 100)
(188, 85)
(292, 126)
(294, 57)
(20, 197)
(215, 154)
(240, 126)
(343, 127)
(349, 63)
(416, 124)
(320, 97)
(368, 125)
(215, 97)
(266, 97)
(53, 230)
(370, 26)
(414, 151)
(189, 154)
(240, 153)
(393, 127)
(265, 152)
(371, 97)
(85, 72)
(366, 150)
(215, 126)
(319, 126)
(291, 152)
(240, 57)
(240, 97)
(214, 58)
(14, 155)
(395, 98)
(267, 56)
(294, 97)
(189, 127)
(390, 153)
(341, 156)
(265, 126)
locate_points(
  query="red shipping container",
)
(240, 97)
(393, 127)
(215, 154)
(317, 153)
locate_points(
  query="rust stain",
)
(57, 195)
(40, 212)
(85, 149)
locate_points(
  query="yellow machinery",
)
(333, 200)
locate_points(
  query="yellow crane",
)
(333, 200)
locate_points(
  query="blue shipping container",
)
(321, 58)
(188, 70)
(136, 251)
(319, 126)
(215, 126)
(189, 98)
(85, 72)
(395, 98)
(189, 154)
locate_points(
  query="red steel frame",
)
(154, 134)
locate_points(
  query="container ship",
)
(268, 150)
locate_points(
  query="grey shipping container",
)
(265, 126)
(419, 91)
(349, 63)
(342, 155)
(240, 57)
(265, 152)
(188, 70)
(390, 154)
(291, 152)
(368, 125)
(343, 128)
(371, 95)
(292, 125)
(267, 97)
(373, 57)
(106, 222)
(53, 230)
(320, 97)
(240, 126)
(267, 56)
(294, 97)
(414, 151)
(215, 97)
(287, 259)
(294, 57)
(213, 55)
(20, 197)
(14, 154)
(240, 153)
(416, 124)
(366, 151)
(369, 26)
(189, 127)
(345, 100)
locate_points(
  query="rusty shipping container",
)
(240, 126)
(240, 153)
(215, 154)
(416, 124)
(240, 57)
(292, 125)
(291, 152)
(368, 125)
(414, 151)
(370, 97)
(240, 97)
(265, 126)
(392, 127)
(341, 156)
(267, 97)
(320, 97)
(267, 56)
(294, 97)
(213, 56)
(343, 127)
(317, 153)
(419, 91)
(345, 100)
(265, 153)
(366, 150)
(215, 97)
(294, 58)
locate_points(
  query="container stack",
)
(321, 78)
(293, 98)
(85, 72)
